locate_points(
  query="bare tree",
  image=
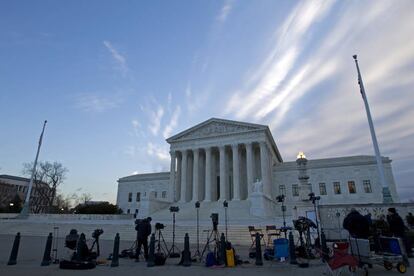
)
(62, 202)
(47, 177)
(84, 198)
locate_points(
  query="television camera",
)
(83, 257)
(159, 226)
(303, 226)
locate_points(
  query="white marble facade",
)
(220, 160)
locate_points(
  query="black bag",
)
(159, 258)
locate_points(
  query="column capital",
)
(207, 148)
(221, 147)
(235, 145)
(248, 144)
(173, 153)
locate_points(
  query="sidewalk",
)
(31, 252)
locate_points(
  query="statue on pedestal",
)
(257, 187)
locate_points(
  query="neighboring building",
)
(11, 185)
(203, 162)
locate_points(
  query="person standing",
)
(397, 228)
(356, 224)
(144, 230)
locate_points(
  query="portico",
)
(219, 160)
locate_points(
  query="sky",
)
(114, 79)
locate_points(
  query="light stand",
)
(338, 217)
(171, 252)
(315, 200)
(225, 205)
(281, 198)
(198, 253)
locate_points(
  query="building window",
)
(128, 211)
(351, 187)
(138, 197)
(136, 211)
(282, 190)
(164, 194)
(322, 189)
(129, 197)
(337, 188)
(295, 190)
(155, 194)
(367, 186)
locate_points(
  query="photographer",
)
(143, 228)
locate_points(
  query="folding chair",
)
(272, 231)
(253, 231)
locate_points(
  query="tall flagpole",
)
(26, 206)
(385, 189)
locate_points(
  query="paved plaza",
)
(31, 252)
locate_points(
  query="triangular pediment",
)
(215, 127)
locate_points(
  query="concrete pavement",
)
(31, 252)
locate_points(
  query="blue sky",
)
(115, 78)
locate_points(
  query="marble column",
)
(264, 167)
(172, 190)
(223, 175)
(236, 172)
(195, 175)
(183, 176)
(249, 168)
(208, 183)
(178, 176)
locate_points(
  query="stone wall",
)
(332, 216)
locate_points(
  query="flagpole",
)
(26, 206)
(385, 189)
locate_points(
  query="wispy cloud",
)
(170, 127)
(155, 150)
(280, 61)
(118, 58)
(96, 103)
(155, 120)
(225, 11)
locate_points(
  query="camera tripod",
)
(96, 242)
(212, 238)
(158, 242)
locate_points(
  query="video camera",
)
(97, 233)
(215, 220)
(303, 224)
(72, 239)
(159, 226)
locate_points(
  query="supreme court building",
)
(240, 162)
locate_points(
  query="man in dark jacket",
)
(397, 228)
(357, 225)
(143, 231)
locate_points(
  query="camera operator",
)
(144, 230)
